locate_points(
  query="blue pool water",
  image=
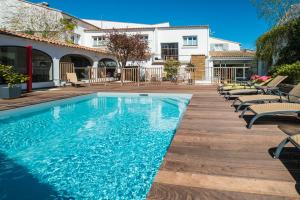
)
(100, 146)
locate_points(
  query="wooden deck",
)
(213, 155)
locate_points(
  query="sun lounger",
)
(261, 110)
(292, 96)
(242, 85)
(72, 78)
(257, 90)
(293, 132)
(294, 139)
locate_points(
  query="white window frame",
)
(75, 38)
(219, 46)
(145, 38)
(99, 41)
(190, 40)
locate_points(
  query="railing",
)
(228, 74)
(155, 75)
(130, 76)
(64, 68)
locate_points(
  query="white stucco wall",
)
(232, 46)
(175, 35)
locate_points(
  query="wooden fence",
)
(151, 75)
(64, 68)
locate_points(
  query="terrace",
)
(213, 155)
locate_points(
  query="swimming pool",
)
(98, 146)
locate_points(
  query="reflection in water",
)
(95, 103)
(56, 112)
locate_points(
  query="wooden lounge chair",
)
(72, 78)
(261, 110)
(294, 139)
(258, 89)
(292, 96)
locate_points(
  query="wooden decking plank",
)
(174, 192)
(233, 184)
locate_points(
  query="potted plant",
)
(12, 79)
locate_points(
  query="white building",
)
(188, 44)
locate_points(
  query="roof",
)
(49, 41)
(148, 28)
(232, 54)
(108, 24)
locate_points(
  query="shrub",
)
(290, 70)
(171, 68)
(11, 77)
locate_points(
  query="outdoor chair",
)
(271, 109)
(72, 78)
(258, 89)
(294, 139)
(292, 96)
(242, 85)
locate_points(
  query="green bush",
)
(171, 68)
(290, 70)
(11, 77)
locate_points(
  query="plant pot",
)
(10, 92)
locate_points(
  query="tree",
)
(40, 21)
(273, 11)
(127, 47)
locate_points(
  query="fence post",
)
(90, 75)
(122, 76)
(105, 78)
(138, 76)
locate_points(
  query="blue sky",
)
(228, 19)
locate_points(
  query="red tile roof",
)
(232, 54)
(50, 41)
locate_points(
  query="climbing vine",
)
(280, 45)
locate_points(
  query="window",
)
(42, 70)
(144, 38)
(169, 51)
(75, 38)
(219, 47)
(190, 41)
(99, 41)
